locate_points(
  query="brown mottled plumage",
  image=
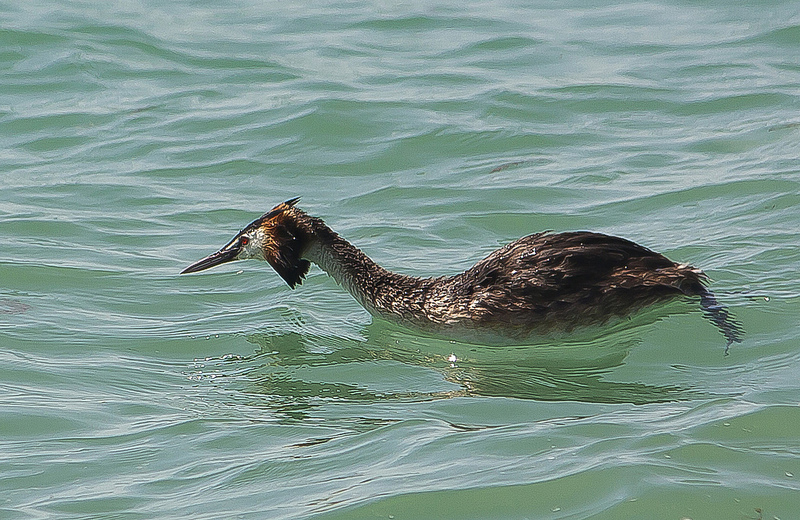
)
(539, 283)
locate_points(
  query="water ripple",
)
(138, 138)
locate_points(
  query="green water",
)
(137, 137)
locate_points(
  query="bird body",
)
(537, 284)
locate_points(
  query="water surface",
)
(138, 137)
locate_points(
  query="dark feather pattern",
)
(569, 279)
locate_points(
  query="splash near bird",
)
(540, 283)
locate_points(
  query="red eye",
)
(244, 241)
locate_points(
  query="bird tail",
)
(721, 317)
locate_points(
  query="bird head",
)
(278, 237)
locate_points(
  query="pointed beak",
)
(226, 254)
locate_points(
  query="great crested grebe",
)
(540, 283)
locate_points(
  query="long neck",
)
(392, 295)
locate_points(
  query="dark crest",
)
(274, 212)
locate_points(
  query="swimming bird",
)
(540, 283)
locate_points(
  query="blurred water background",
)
(138, 136)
